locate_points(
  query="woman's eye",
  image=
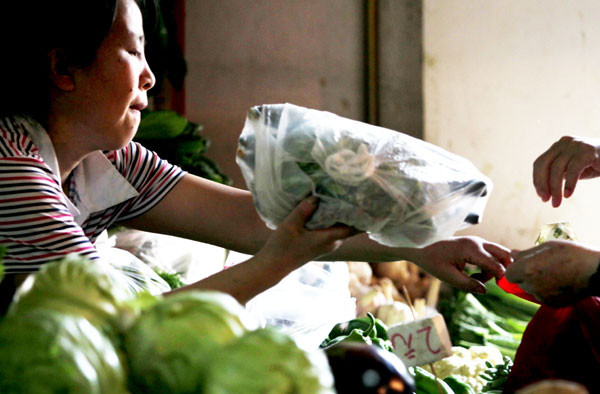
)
(135, 53)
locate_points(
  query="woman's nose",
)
(147, 78)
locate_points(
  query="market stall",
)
(329, 327)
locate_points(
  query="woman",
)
(70, 169)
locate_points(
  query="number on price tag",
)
(421, 341)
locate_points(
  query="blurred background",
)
(495, 81)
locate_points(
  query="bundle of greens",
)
(179, 141)
(495, 319)
(401, 190)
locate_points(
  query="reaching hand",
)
(447, 259)
(555, 272)
(571, 159)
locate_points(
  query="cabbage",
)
(77, 286)
(268, 361)
(43, 351)
(171, 342)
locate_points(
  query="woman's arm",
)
(225, 216)
(209, 212)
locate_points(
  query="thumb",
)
(300, 215)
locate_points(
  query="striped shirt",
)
(38, 223)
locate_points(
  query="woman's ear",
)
(60, 72)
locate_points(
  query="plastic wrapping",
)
(133, 272)
(191, 260)
(307, 302)
(401, 190)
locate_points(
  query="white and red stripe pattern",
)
(35, 223)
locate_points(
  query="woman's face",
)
(114, 87)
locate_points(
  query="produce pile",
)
(496, 318)
(74, 327)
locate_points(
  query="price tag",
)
(421, 341)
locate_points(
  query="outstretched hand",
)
(569, 159)
(447, 259)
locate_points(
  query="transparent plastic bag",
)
(191, 260)
(131, 271)
(307, 303)
(401, 190)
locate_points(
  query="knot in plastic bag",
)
(350, 168)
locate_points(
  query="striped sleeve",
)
(151, 176)
(35, 223)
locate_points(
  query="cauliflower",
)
(467, 364)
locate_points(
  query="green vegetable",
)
(477, 320)
(427, 383)
(179, 141)
(46, 352)
(496, 375)
(367, 329)
(510, 300)
(156, 125)
(172, 342)
(267, 361)
(173, 280)
(76, 286)
(457, 386)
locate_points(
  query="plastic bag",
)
(401, 190)
(192, 260)
(307, 303)
(137, 275)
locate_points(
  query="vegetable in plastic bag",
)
(44, 351)
(268, 361)
(172, 342)
(401, 190)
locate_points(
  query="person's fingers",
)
(501, 253)
(573, 173)
(466, 283)
(482, 276)
(541, 172)
(557, 174)
(301, 213)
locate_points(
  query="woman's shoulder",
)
(15, 140)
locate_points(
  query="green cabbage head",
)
(268, 361)
(43, 351)
(171, 343)
(75, 285)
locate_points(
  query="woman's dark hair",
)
(29, 32)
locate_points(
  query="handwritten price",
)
(421, 341)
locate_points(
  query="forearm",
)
(361, 248)
(208, 212)
(244, 280)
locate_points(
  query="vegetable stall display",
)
(75, 327)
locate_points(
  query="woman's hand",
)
(571, 159)
(447, 259)
(293, 245)
(288, 248)
(556, 272)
